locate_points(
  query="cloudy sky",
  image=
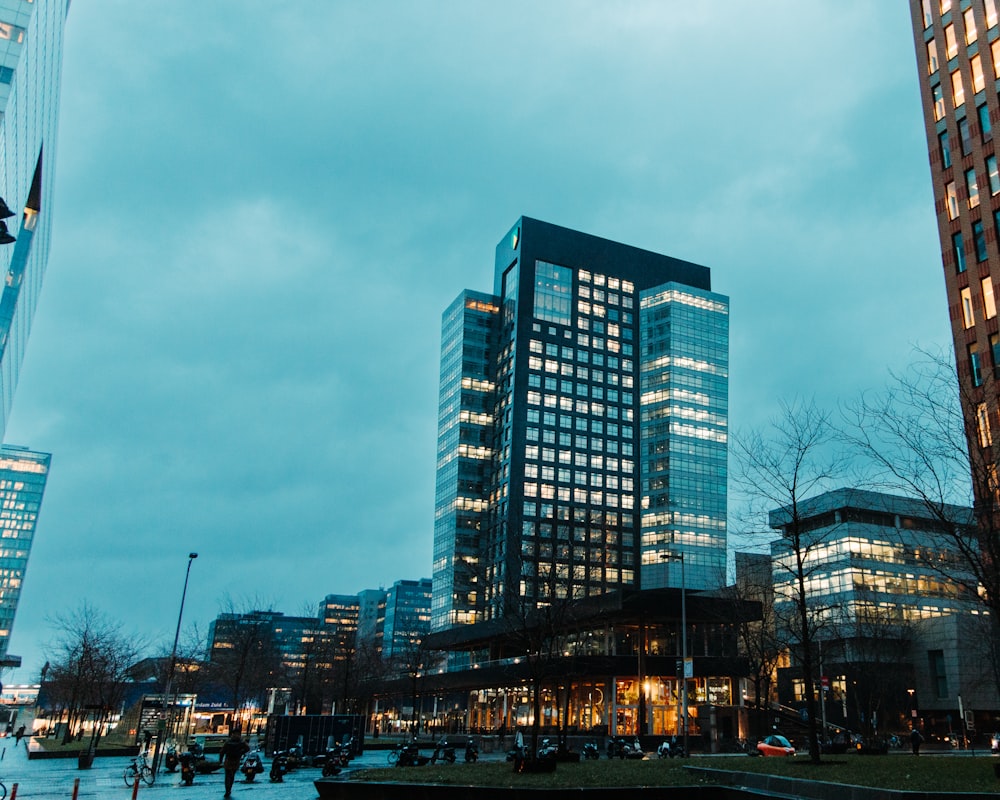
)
(261, 213)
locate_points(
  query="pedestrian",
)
(232, 753)
(915, 739)
(18, 735)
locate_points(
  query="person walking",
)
(915, 739)
(232, 753)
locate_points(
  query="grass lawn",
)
(923, 773)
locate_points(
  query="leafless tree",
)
(927, 436)
(244, 657)
(777, 468)
(89, 664)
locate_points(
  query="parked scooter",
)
(443, 752)
(252, 766)
(410, 756)
(471, 751)
(590, 751)
(279, 767)
(669, 748)
(620, 747)
(170, 760)
(547, 749)
(186, 760)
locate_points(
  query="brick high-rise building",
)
(958, 57)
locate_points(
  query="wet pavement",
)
(51, 778)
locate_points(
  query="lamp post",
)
(683, 661)
(170, 672)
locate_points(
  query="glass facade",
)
(407, 617)
(683, 417)
(23, 474)
(465, 422)
(866, 554)
(31, 43)
(554, 499)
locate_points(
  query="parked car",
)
(775, 745)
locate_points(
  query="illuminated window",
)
(979, 240)
(978, 81)
(928, 16)
(938, 100)
(944, 146)
(11, 32)
(957, 89)
(972, 188)
(958, 250)
(952, 203)
(950, 43)
(970, 26)
(991, 13)
(945, 6)
(932, 57)
(967, 314)
(995, 53)
(989, 304)
(983, 423)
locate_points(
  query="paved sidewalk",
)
(54, 779)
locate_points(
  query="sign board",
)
(688, 668)
(970, 719)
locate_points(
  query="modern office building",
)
(23, 475)
(958, 58)
(407, 617)
(582, 428)
(31, 45)
(885, 598)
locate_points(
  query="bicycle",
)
(392, 757)
(137, 769)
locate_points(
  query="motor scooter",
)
(170, 760)
(410, 756)
(471, 751)
(443, 752)
(590, 751)
(279, 766)
(186, 760)
(252, 766)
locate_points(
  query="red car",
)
(775, 746)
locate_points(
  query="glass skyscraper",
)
(23, 474)
(582, 427)
(31, 46)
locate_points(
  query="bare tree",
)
(777, 468)
(758, 639)
(244, 657)
(928, 437)
(89, 666)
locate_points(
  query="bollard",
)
(76, 788)
(135, 788)
(13, 792)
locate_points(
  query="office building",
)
(582, 428)
(958, 59)
(883, 609)
(31, 45)
(407, 617)
(23, 474)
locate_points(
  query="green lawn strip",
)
(923, 773)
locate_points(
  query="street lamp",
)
(683, 661)
(173, 664)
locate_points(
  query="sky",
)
(261, 213)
